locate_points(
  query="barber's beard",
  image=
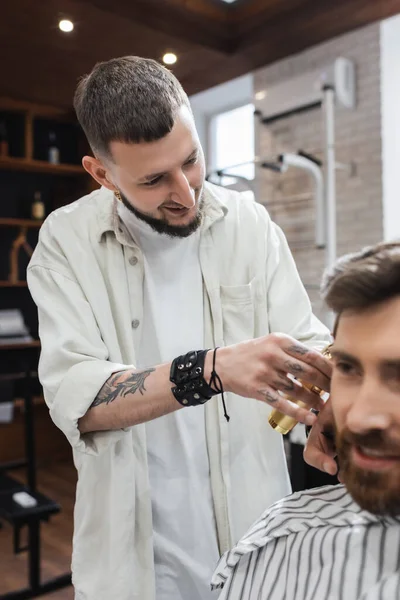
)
(375, 491)
(162, 226)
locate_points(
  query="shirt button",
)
(135, 323)
(133, 260)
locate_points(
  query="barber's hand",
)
(320, 451)
(259, 368)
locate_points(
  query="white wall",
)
(232, 94)
(390, 109)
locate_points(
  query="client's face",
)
(365, 394)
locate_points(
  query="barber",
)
(172, 318)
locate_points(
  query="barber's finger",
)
(319, 455)
(318, 459)
(320, 448)
(279, 402)
(301, 393)
(295, 391)
(304, 371)
(311, 357)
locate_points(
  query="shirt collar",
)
(109, 220)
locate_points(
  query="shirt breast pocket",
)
(238, 304)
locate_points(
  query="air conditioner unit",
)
(305, 91)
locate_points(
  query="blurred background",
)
(296, 104)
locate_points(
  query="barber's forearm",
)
(253, 369)
(132, 397)
(129, 398)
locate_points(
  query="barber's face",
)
(365, 392)
(162, 181)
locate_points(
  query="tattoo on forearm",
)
(294, 368)
(269, 396)
(297, 349)
(117, 386)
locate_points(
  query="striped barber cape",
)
(314, 545)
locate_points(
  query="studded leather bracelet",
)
(191, 389)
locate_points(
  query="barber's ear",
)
(96, 169)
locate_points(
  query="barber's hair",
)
(363, 280)
(128, 99)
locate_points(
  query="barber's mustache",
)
(172, 204)
(374, 439)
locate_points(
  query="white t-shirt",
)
(185, 538)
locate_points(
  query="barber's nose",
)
(183, 192)
(368, 409)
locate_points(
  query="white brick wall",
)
(288, 197)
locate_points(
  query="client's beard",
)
(162, 226)
(376, 492)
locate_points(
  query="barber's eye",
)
(191, 161)
(153, 181)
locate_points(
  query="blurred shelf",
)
(15, 376)
(9, 222)
(9, 163)
(12, 376)
(19, 403)
(21, 346)
(38, 110)
(8, 284)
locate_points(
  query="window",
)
(232, 143)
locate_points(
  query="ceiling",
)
(214, 41)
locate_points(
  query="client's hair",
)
(362, 280)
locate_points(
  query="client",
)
(343, 541)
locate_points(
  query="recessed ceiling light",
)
(66, 25)
(170, 58)
(229, 1)
(260, 95)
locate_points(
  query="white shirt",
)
(86, 277)
(184, 531)
(313, 545)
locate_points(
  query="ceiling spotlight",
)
(66, 25)
(170, 58)
(260, 95)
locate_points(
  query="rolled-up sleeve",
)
(74, 362)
